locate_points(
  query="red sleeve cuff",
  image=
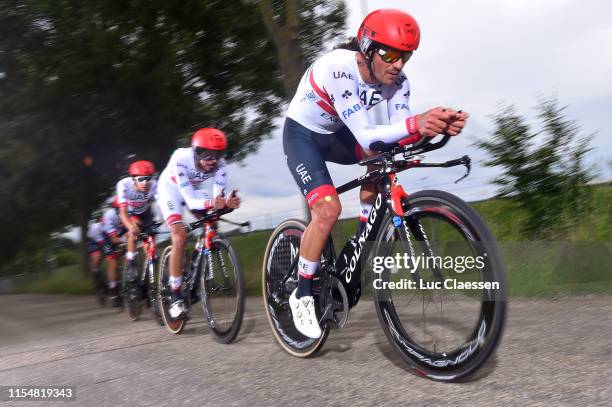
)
(413, 132)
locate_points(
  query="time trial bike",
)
(440, 328)
(140, 284)
(212, 275)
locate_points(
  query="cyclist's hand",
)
(219, 202)
(456, 122)
(233, 202)
(435, 121)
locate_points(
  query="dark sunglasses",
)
(143, 179)
(389, 55)
(207, 155)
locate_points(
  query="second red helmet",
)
(142, 167)
(209, 138)
(390, 27)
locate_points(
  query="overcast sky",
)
(473, 55)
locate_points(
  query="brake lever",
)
(467, 162)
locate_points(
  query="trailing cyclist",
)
(95, 242)
(187, 179)
(327, 120)
(135, 195)
(103, 238)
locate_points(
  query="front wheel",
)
(222, 290)
(151, 294)
(279, 279)
(131, 292)
(175, 326)
(443, 306)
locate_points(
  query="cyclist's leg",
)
(111, 255)
(170, 203)
(95, 256)
(305, 158)
(308, 168)
(131, 240)
(144, 219)
(344, 149)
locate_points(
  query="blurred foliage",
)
(85, 85)
(543, 170)
(300, 31)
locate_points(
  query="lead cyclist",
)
(327, 120)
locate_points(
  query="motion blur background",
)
(86, 87)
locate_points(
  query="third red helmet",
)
(142, 167)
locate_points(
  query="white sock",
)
(175, 283)
(130, 255)
(307, 268)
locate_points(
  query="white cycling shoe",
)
(177, 309)
(304, 316)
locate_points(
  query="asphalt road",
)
(554, 352)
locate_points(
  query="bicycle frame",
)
(389, 197)
(203, 248)
(204, 245)
(151, 260)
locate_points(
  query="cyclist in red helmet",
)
(196, 177)
(327, 120)
(135, 195)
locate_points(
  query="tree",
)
(544, 171)
(85, 83)
(301, 30)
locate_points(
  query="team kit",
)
(308, 289)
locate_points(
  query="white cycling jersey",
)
(111, 222)
(94, 232)
(136, 202)
(181, 182)
(332, 94)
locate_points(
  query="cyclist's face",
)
(208, 165)
(143, 183)
(385, 72)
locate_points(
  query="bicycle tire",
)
(152, 293)
(463, 361)
(223, 288)
(175, 326)
(277, 259)
(131, 296)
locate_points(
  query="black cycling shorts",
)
(143, 219)
(93, 247)
(306, 153)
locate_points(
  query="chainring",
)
(333, 303)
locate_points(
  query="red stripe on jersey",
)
(326, 103)
(327, 108)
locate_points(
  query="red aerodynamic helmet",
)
(142, 167)
(209, 138)
(393, 28)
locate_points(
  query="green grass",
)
(64, 280)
